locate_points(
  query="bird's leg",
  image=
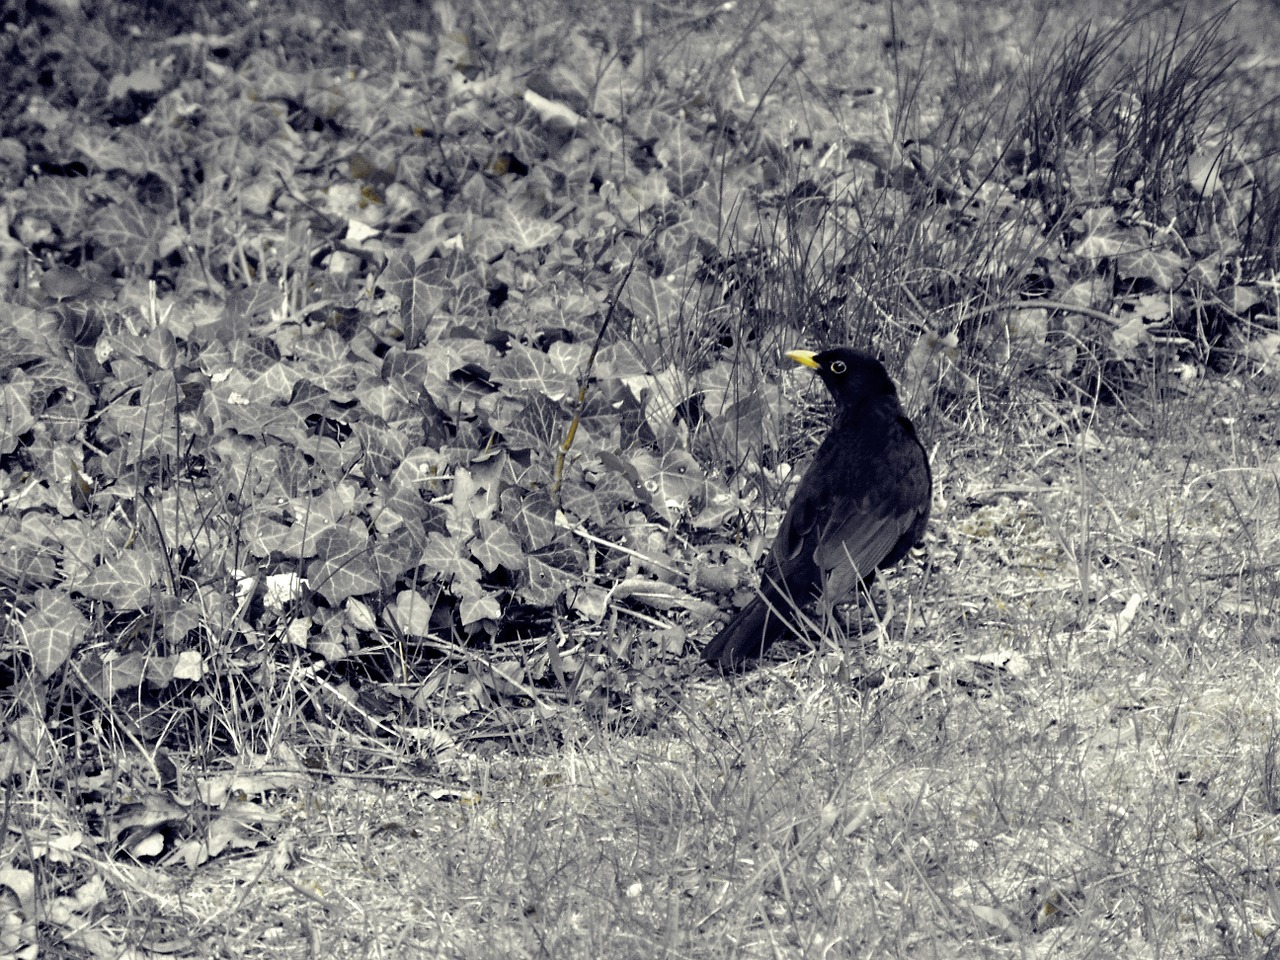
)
(841, 624)
(853, 613)
(883, 619)
(831, 624)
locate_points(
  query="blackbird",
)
(863, 503)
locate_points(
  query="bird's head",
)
(851, 375)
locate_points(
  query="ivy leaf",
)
(443, 558)
(61, 201)
(187, 665)
(497, 547)
(386, 444)
(182, 617)
(622, 360)
(343, 568)
(124, 150)
(53, 629)
(1090, 168)
(1162, 266)
(108, 677)
(398, 507)
(1128, 337)
(551, 570)
(1244, 297)
(673, 482)
(126, 581)
(540, 426)
(526, 371)
(132, 233)
(15, 410)
(325, 362)
(145, 78)
(425, 288)
(231, 412)
(1150, 306)
(473, 497)
(590, 503)
(656, 301)
(1101, 236)
(256, 303)
(621, 477)
(144, 417)
(525, 233)
(531, 515)
(411, 612)
(615, 84)
(683, 160)
(479, 607)
(41, 548)
(264, 534)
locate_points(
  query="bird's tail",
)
(746, 636)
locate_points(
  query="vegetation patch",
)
(394, 395)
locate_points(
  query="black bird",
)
(863, 503)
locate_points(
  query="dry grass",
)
(1073, 752)
(1073, 756)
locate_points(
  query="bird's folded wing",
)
(853, 543)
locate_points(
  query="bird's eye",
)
(838, 366)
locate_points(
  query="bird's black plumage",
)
(863, 503)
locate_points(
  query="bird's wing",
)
(851, 510)
(864, 526)
(791, 555)
(855, 541)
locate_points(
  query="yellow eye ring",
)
(838, 367)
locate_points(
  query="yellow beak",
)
(804, 357)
